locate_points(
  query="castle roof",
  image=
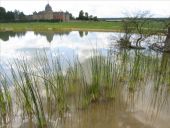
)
(48, 8)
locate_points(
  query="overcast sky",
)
(100, 8)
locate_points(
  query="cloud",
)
(108, 8)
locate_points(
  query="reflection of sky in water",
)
(74, 44)
(66, 44)
(19, 45)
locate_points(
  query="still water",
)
(25, 44)
(142, 108)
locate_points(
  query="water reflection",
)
(50, 35)
(5, 35)
(83, 33)
(146, 93)
(130, 81)
(119, 88)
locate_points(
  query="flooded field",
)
(81, 80)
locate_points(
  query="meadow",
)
(114, 26)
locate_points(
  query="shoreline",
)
(61, 30)
(101, 26)
(64, 26)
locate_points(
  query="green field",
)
(39, 26)
(67, 26)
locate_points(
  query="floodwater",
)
(146, 107)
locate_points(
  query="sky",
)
(99, 8)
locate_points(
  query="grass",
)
(63, 26)
(69, 26)
(5, 102)
(46, 92)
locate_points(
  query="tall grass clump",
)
(5, 102)
(101, 75)
(54, 83)
(28, 91)
(48, 89)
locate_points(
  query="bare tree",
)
(139, 25)
(165, 31)
(128, 30)
(167, 40)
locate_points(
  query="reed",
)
(50, 87)
(5, 102)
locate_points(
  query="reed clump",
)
(49, 88)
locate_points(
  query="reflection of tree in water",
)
(167, 41)
(5, 35)
(146, 78)
(82, 33)
(166, 47)
(50, 35)
(163, 70)
(160, 93)
(86, 33)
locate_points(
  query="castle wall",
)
(67, 17)
(50, 15)
(59, 16)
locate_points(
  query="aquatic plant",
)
(49, 88)
(5, 102)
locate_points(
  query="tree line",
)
(85, 16)
(11, 15)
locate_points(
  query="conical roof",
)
(48, 8)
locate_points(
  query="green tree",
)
(90, 17)
(10, 16)
(95, 18)
(2, 13)
(81, 15)
(22, 16)
(16, 14)
(71, 16)
(19, 15)
(86, 16)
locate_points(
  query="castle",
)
(48, 14)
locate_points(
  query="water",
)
(140, 77)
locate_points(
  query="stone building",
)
(48, 14)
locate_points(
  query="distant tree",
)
(81, 15)
(90, 17)
(16, 14)
(19, 15)
(95, 18)
(22, 16)
(86, 16)
(9, 16)
(2, 10)
(71, 16)
(2, 13)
